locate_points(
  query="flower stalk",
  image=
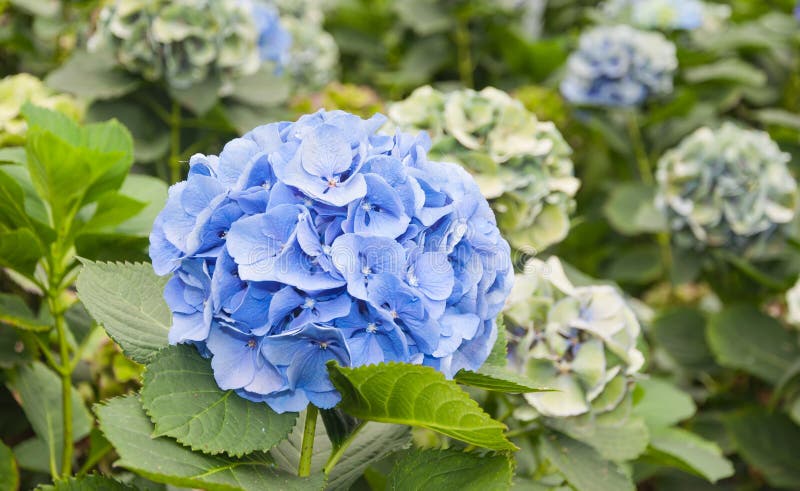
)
(307, 447)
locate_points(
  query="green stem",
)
(175, 143)
(307, 447)
(66, 382)
(339, 451)
(642, 161)
(465, 67)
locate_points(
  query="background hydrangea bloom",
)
(15, 90)
(619, 66)
(324, 240)
(580, 340)
(187, 41)
(726, 187)
(657, 14)
(523, 165)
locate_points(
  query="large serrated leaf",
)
(368, 444)
(770, 443)
(184, 402)
(9, 474)
(689, 452)
(161, 459)
(418, 396)
(497, 379)
(583, 467)
(127, 299)
(437, 470)
(39, 390)
(741, 337)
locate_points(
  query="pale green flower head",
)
(580, 340)
(521, 164)
(313, 56)
(15, 91)
(183, 41)
(729, 187)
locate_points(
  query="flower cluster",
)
(523, 165)
(324, 240)
(619, 66)
(580, 340)
(664, 15)
(187, 41)
(726, 188)
(314, 55)
(15, 90)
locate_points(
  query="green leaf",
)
(13, 155)
(15, 313)
(631, 210)
(127, 299)
(184, 402)
(20, 251)
(681, 332)
(39, 390)
(161, 459)
(150, 135)
(687, 451)
(200, 97)
(15, 347)
(770, 443)
(437, 470)
(497, 379)
(615, 440)
(262, 89)
(9, 475)
(662, 404)
(639, 264)
(92, 482)
(743, 338)
(778, 117)
(111, 247)
(369, 443)
(583, 467)
(425, 18)
(33, 455)
(728, 69)
(91, 76)
(112, 209)
(286, 453)
(149, 190)
(417, 396)
(12, 202)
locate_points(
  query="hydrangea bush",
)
(729, 187)
(521, 164)
(619, 66)
(324, 240)
(15, 90)
(188, 41)
(579, 340)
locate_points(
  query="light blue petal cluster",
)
(274, 41)
(619, 66)
(324, 240)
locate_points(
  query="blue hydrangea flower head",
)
(323, 239)
(619, 66)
